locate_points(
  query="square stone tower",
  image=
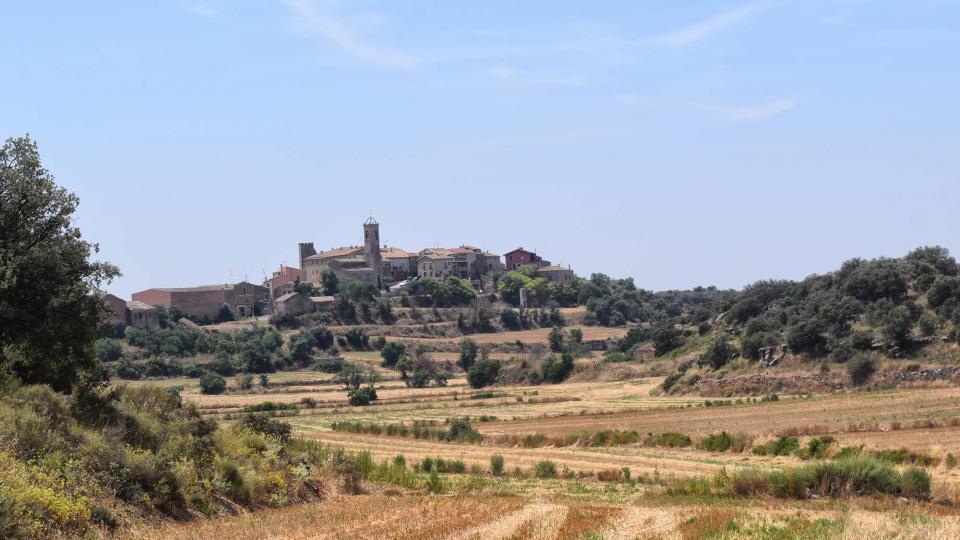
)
(371, 248)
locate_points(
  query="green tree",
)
(108, 350)
(211, 383)
(330, 282)
(666, 338)
(718, 354)
(391, 353)
(50, 304)
(555, 339)
(468, 353)
(483, 373)
(557, 370)
(897, 324)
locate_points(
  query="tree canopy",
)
(50, 299)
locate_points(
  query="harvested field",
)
(491, 517)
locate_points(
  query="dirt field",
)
(468, 517)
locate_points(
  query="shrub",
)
(108, 350)
(211, 383)
(861, 369)
(468, 353)
(847, 477)
(259, 423)
(817, 448)
(391, 353)
(783, 446)
(545, 469)
(496, 464)
(915, 483)
(361, 396)
(669, 440)
(723, 441)
(483, 373)
(556, 370)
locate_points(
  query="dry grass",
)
(401, 517)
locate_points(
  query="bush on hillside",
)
(483, 373)
(211, 383)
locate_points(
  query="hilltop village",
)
(390, 270)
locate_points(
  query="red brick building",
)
(521, 257)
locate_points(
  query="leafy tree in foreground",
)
(50, 304)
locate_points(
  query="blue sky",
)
(681, 143)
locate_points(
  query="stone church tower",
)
(371, 248)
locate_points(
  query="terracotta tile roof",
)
(134, 305)
(337, 252)
(323, 299)
(395, 253)
(553, 269)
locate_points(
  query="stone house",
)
(244, 299)
(292, 303)
(556, 274)
(363, 263)
(133, 313)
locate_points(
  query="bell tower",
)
(371, 248)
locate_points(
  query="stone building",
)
(466, 262)
(141, 315)
(557, 274)
(363, 263)
(292, 303)
(133, 313)
(244, 299)
(398, 264)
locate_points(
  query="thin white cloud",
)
(756, 112)
(318, 19)
(709, 27)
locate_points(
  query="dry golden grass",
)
(364, 516)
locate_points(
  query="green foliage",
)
(718, 354)
(842, 478)
(669, 439)
(556, 339)
(329, 282)
(545, 469)
(211, 383)
(468, 353)
(556, 370)
(666, 337)
(782, 446)
(259, 423)
(50, 305)
(861, 369)
(108, 350)
(483, 373)
(496, 464)
(136, 450)
(449, 292)
(723, 442)
(391, 353)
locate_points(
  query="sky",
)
(680, 143)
